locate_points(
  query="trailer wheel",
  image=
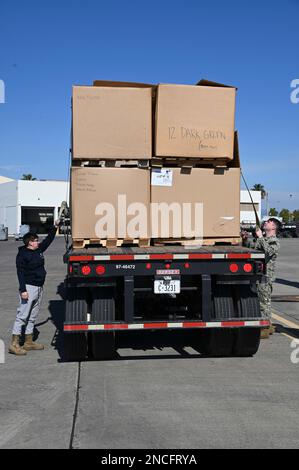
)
(75, 344)
(76, 305)
(222, 303)
(248, 304)
(247, 341)
(103, 311)
(217, 342)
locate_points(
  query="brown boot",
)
(272, 329)
(15, 347)
(265, 332)
(29, 345)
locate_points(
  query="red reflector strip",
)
(194, 325)
(232, 323)
(200, 256)
(155, 325)
(75, 327)
(116, 327)
(81, 258)
(238, 255)
(161, 256)
(167, 325)
(121, 257)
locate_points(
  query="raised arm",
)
(48, 240)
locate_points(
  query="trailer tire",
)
(75, 344)
(248, 304)
(247, 341)
(222, 303)
(217, 342)
(76, 305)
(103, 311)
(103, 346)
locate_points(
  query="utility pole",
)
(267, 203)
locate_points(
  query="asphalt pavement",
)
(155, 396)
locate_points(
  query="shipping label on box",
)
(161, 177)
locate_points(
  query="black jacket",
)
(31, 263)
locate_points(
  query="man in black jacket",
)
(31, 274)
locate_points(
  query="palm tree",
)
(28, 177)
(259, 187)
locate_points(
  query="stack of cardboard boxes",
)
(111, 126)
(137, 143)
(195, 133)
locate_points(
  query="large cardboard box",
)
(112, 121)
(195, 121)
(217, 189)
(109, 203)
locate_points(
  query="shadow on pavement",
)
(157, 341)
(289, 331)
(287, 283)
(57, 312)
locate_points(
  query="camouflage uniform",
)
(270, 246)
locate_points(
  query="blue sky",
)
(46, 47)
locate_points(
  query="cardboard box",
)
(217, 189)
(101, 203)
(112, 121)
(195, 121)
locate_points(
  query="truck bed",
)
(218, 249)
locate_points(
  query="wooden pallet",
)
(111, 163)
(197, 241)
(110, 242)
(188, 162)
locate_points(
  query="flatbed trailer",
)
(210, 290)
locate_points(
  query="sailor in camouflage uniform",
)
(269, 244)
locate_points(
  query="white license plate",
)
(167, 287)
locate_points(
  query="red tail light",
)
(233, 267)
(100, 269)
(247, 268)
(85, 270)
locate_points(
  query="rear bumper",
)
(106, 327)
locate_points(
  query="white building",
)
(247, 214)
(36, 203)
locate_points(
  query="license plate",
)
(167, 287)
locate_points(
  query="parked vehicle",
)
(3, 233)
(23, 229)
